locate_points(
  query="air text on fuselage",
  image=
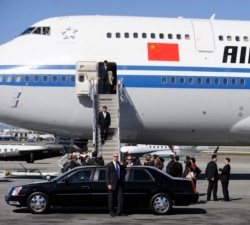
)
(234, 54)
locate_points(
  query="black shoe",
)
(215, 199)
(112, 214)
(102, 142)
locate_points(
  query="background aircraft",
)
(161, 150)
(28, 152)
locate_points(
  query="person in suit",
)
(104, 121)
(224, 178)
(211, 175)
(104, 78)
(115, 177)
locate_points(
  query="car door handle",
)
(85, 187)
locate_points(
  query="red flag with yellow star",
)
(163, 52)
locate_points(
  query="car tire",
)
(38, 202)
(161, 204)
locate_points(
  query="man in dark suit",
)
(211, 174)
(224, 178)
(104, 87)
(115, 177)
(104, 121)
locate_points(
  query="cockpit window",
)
(37, 30)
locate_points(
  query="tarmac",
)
(236, 211)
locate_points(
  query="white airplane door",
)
(86, 77)
(203, 34)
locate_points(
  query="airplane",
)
(5, 137)
(164, 151)
(178, 80)
(28, 152)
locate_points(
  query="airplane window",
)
(178, 36)
(1, 78)
(117, 35)
(170, 36)
(8, 78)
(54, 78)
(216, 81)
(190, 80)
(245, 38)
(173, 81)
(36, 78)
(81, 78)
(161, 36)
(28, 31)
(225, 81)
(220, 38)
(46, 30)
(199, 80)
(164, 80)
(63, 78)
(27, 78)
(242, 81)
(126, 35)
(72, 79)
(135, 35)
(208, 81)
(45, 78)
(187, 36)
(237, 38)
(229, 38)
(109, 35)
(37, 30)
(182, 80)
(152, 35)
(144, 35)
(18, 78)
(234, 81)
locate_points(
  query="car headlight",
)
(16, 191)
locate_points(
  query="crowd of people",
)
(189, 170)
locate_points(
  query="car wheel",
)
(161, 204)
(38, 202)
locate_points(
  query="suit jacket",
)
(104, 121)
(111, 176)
(212, 171)
(225, 173)
(103, 73)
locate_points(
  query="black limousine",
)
(85, 186)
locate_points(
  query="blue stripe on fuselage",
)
(132, 80)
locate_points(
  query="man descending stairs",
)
(112, 142)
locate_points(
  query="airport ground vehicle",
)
(145, 186)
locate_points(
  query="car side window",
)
(102, 175)
(80, 176)
(142, 175)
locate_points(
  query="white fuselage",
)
(196, 95)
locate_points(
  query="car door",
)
(138, 186)
(75, 189)
(99, 188)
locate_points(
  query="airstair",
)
(87, 86)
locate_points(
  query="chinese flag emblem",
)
(163, 52)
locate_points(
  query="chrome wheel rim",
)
(38, 203)
(161, 204)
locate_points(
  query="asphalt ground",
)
(236, 211)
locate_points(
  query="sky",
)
(17, 15)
